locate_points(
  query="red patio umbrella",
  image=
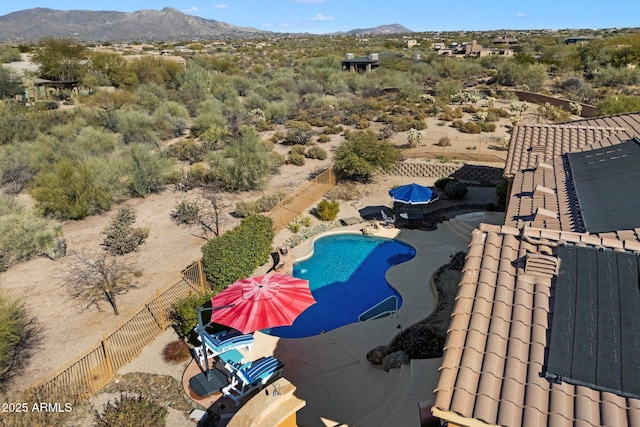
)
(262, 302)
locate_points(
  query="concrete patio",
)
(330, 370)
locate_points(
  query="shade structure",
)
(413, 194)
(262, 302)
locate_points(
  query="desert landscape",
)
(67, 328)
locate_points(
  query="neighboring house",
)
(470, 50)
(360, 64)
(546, 326)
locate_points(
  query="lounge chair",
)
(216, 344)
(252, 376)
(387, 219)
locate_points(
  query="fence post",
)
(201, 274)
(107, 359)
(162, 316)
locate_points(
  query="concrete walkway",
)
(330, 370)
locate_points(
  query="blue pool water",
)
(346, 277)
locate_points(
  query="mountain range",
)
(167, 24)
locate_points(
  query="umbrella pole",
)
(204, 346)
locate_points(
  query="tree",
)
(121, 238)
(60, 59)
(113, 68)
(10, 85)
(95, 277)
(71, 191)
(361, 154)
(244, 165)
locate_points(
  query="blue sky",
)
(326, 16)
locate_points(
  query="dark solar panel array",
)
(595, 329)
(606, 182)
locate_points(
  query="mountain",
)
(381, 29)
(144, 25)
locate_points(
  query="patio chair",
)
(252, 376)
(387, 219)
(217, 344)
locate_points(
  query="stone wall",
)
(462, 172)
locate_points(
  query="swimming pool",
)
(347, 278)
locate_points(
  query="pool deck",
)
(330, 371)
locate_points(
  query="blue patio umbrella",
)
(413, 194)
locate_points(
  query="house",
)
(546, 326)
(360, 64)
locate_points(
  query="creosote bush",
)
(186, 212)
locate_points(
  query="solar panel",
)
(595, 328)
(605, 182)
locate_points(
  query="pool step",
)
(460, 228)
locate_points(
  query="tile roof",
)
(550, 187)
(493, 363)
(531, 144)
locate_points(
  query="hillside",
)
(144, 25)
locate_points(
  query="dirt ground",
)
(67, 328)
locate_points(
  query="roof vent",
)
(543, 189)
(541, 265)
(541, 212)
(538, 148)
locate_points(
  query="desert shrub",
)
(323, 138)
(362, 154)
(275, 161)
(455, 190)
(333, 130)
(13, 333)
(442, 182)
(298, 149)
(184, 314)
(467, 127)
(45, 105)
(147, 170)
(327, 210)
(444, 141)
(186, 150)
(176, 351)
(121, 238)
(471, 109)
(269, 201)
(263, 204)
(386, 133)
(186, 212)
(316, 153)
(295, 159)
(245, 209)
(71, 191)
(450, 114)
(362, 124)
(24, 235)
(300, 133)
(487, 127)
(238, 252)
(245, 163)
(130, 411)
(305, 220)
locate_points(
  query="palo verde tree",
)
(60, 59)
(362, 154)
(93, 278)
